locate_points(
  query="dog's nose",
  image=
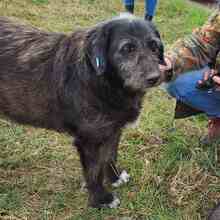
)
(153, 80)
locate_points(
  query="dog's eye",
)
(128, 48)
(152, 44)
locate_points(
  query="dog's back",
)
(26, 59)
(23, 45)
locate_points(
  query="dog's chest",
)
(134, 124)
(128, 115)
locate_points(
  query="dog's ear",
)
(161, 47)
(156, 42)
(96, 48)
(161, 53)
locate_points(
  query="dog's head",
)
(128, 49)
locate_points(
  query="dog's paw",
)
(108, 200)
(123, 178)
(115, 203)
(83, 187)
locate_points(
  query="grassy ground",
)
(173, 178)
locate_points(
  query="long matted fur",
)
(89, 83)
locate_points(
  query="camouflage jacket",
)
(198, 49)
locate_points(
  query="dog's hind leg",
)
(93, 167)
(119, 178)
(113, 174)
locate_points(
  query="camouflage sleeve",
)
(217, 62)
(197, 49)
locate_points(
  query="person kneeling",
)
(198, 89)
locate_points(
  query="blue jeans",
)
(184, 89)
(150, 6)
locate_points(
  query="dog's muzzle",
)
(153, 79)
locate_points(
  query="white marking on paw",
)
(115, 203)
(123, 178)
(133, 124)
(83, 187)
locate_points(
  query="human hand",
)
(166, 70)
(210, 80)
(208, 74)
(167, 67)
(216, 79)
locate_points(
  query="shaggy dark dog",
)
(89, 84)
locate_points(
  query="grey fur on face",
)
(136, 55)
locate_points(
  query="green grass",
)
(40, 1)
(173, 178)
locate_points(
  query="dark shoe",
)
(148, 17)
(129, 8)
(183, 110)
(213, 132)
(215, 213)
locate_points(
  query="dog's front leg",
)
(93, 167)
